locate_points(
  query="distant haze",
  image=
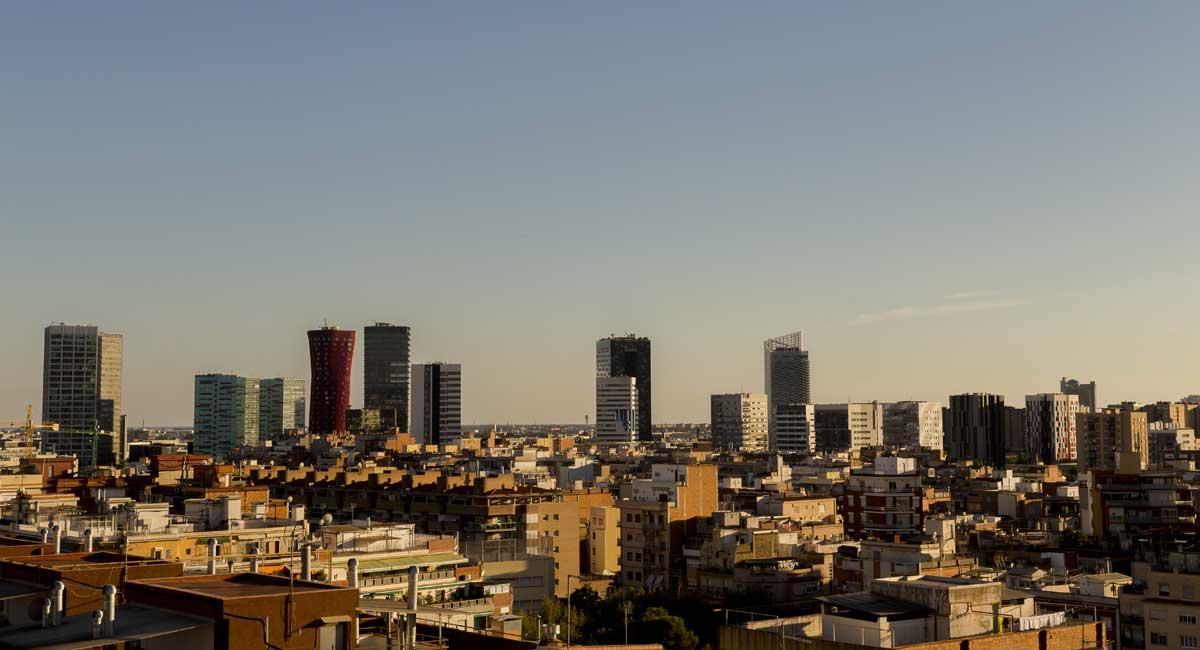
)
(944, 197)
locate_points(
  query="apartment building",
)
(656, 514)
(739, 421)
(848, 427)
(1109, 435)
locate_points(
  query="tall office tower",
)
(976, 429)
(912, 425)
(81, 378)
(795, 430)
(786, 370)
(617, 413)
(1110, 436)
(331, 355)
(848, 427)
(739, 422)
(437, 403)
(1014, 429)
(385, 373)
(226, 414)
(1085, 392)
(1050, 426)
(629, 356)
(281, 406)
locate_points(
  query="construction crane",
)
(28, 426)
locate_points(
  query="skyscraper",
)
(976, 428)
(281, 406)
(437, 402)
(629, 356)
(617, 418)
(1050, 426)
(1086, 392)
(785, 372)
(226, 414)
(331, 355)
(739, 421)
(1111, 435)
(386, 372)
(81, 378)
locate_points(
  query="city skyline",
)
(923, 191)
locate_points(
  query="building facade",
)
(226, 414)
(281, 406)
(739, 421)
(1086, 392)
(795, 430)
(848, 427)
(1105, 435)
(617, 417)
(629, 356)
(884, 500)
(437, 403)
(331, 357)
(976, 428)
(912, 425)
(386, 372)
(1050, 421)
(81, 378)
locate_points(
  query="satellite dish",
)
(327, 519)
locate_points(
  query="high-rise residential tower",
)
(1050, 421)
(386, 373)
(81, 378)
(629, 356)
(1086, 392)
(226, 414)
(739, 421)
(848, 427)
(436, 402)
(331, 356)
(281, 406)
(617, 418)
(975, 429)
(1113, 440)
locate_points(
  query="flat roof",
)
(404, 561)
(68, 561)
(133, 622)
(869, 603)
(237, 585)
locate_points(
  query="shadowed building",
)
(386, 373)
(629, 356)
(331, 355)
(81, 378)
(437, 403)
(976, 428)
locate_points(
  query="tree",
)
(658, 623)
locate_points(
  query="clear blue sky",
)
(944, 196)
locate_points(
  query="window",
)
(1187, 641)
(1158, 639)
(1164, 589)
(1187, 619)
(1158, 614)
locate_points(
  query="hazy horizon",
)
(945, 198)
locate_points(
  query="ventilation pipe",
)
(410, 627)
(212, 556)
(352, 572)
(306, 562)
(110, 609)
(97, 623)
(57, 530)
(45, 534)
(254, 560)
(56, 597)
(87, 540)
(46, 612)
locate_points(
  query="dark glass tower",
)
(386, 372)
(976, 428)
(331, 355)
(629, 356)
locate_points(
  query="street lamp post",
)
(569, 576)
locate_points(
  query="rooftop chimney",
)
(352, 572)
(57, 530)
(306, 562)
(254, 560)
(97, 623)
(212, 556)
(87, 540)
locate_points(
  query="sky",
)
(945, 197)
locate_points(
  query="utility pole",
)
(625, 607)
